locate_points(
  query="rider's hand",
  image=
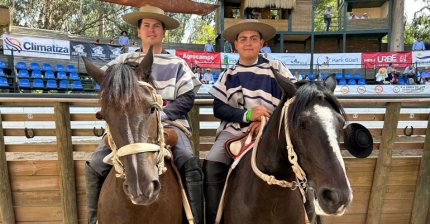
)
(259, 111)
(254, 127)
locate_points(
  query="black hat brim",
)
(358, 140)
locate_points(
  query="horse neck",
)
(272, 153)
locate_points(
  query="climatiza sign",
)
(36, 47)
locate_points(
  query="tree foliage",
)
(94, 18)
(420, 25)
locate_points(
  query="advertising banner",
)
(229, 59)
(292, 61)
(337, 61)
(200, 58)
(422, 58)
(95, 51)
(381, 89)
(36, 47)
(382, 59)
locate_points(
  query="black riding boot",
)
(94, 182)
(215, 175)
(192, 177)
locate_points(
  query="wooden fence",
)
(391, 186)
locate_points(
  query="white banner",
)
(229, 59)
(422, 58)
(292, 61)
(36, 47)
(337, 61)
(381, 89)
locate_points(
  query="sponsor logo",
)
(361, 89)
(98, 52)
(79, 50)
(379, 89)
(396, 89)
(15, 44)
(344, 89)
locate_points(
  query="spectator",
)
(425, 76)
(112, 42)
(410, 74)
(389, 68)
(286, 50)
(123, 41)
(266, 49)
(351, 16)
(381, 76)
(256, 14)
(364, 16)
(227, 47)
(208, 77)
(393, 77)
(327, 17)
(418, 45)
(199, 74)
(98, 41)
(209, 47)
(427, 44)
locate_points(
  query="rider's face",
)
(151, 32)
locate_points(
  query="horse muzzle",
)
(332, 202)
(142, 195)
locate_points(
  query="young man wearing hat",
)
(242, 95)
(176, 83)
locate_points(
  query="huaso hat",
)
(151, 12)
(266, 30)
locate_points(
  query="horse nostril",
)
(156, 185)
(126, 188)
(333, 198)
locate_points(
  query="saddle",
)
(234, 147)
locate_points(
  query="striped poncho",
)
(171, 75)
(246, 87)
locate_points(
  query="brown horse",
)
(315, 121)
(130, 106)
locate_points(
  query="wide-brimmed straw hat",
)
(267, 31)
(151, 12)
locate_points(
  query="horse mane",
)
(307, 93)
(120, 88)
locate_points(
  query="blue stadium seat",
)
(342, 81)
(59, 68)
(339, 76)
(3, 83)
(36, 74)
(2, 64)
(38, 84)
(23, 73)
(303, 76)
(49, 75)
(51, 84)
(361, 81)
(2, 72)
(70, 68)
(64, 85)
(96, 87)
(21, 65)
(34, 66)
(74, 76)
(348, 76)
(311, 76)
(352, 82)
(357, 76)
(322, 75)
(61, 75)
(46, 67)
(24, 83)
(401, 81)
(77, 85)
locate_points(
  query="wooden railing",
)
(391, 186)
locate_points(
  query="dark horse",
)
(315, 122)
(131, 108)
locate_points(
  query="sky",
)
(411, 6)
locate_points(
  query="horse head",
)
(315, 124)
(130, 107)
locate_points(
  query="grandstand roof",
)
(176, 6)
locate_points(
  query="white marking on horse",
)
(134, 160)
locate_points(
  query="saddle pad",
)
(235, 147)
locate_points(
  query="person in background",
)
(389, 68)
(327, 17)
(418, 45)
(227, 47)
(123, 41)
(393, 77)
(425, 76)
(265, 49)
(209, 47)
(208, 77)
(427, 44)
(199, 74)
(410, 74)
(381, 75)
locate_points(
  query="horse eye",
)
(153, 108)
(303, 125)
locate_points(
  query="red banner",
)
(200, 58)
(382, 59)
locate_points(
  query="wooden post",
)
(422, 192)
(195, 126)
(65, 163)
(383, 163)
(397, 36)
(8, 215)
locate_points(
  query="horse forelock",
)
(120, 88)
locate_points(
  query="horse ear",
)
(330, 83)
(145, 65)
(94, 71)
(287, 87)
